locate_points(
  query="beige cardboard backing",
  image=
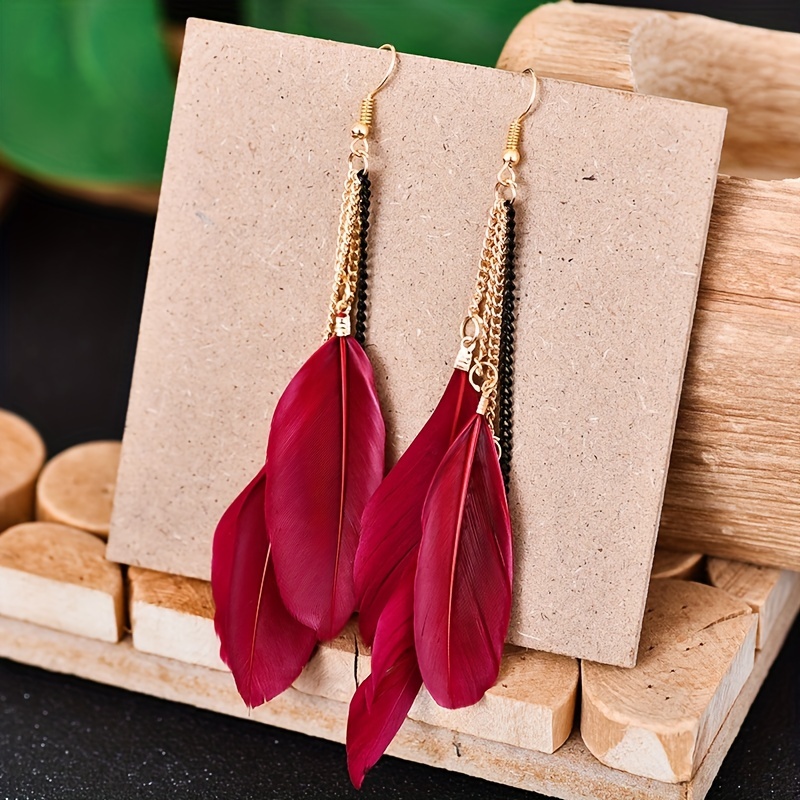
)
(614, 203)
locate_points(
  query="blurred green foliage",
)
(86, 89)
(86, 86)
(459, 30)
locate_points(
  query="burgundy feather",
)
(325, 458)
(382, 701)
(462, 592)
(391, 526)
(264, 646)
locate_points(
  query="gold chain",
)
(494, 307)
(347, 257)
(492, 278)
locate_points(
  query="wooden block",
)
(173, 617)
(731, 488)
(336, 666)
(77, 487)
(58, 577)
(571, 773)
(22, 454)
(765, 590)
(659, 719)
(532, 705)
(675, 564)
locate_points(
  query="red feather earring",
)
(282, 563)
(433, 569)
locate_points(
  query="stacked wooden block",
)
(704, 651)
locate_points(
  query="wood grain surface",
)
(735, 468)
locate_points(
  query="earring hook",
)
(506, 188)
(361, 130)
(392, 64)
(534, 94)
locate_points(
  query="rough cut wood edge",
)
(764, 589)
(22, 455)
(77, 487)
(570, 773)
(734, 470)
(751, 71)
(58, 577)
(659, 718)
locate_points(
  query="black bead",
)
(505, 392)
(362, 282)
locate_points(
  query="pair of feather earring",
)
(424, 554)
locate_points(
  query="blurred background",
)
(86, 90)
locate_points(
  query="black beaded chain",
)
(505, 372)
(360, 333)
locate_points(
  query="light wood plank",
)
(571, 773)
(58, 577)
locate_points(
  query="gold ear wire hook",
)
(392, 64)
(367, 112)
(534, 93)
(512, 154)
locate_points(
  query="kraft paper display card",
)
(614, 201)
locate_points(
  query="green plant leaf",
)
(86, 89)
(460, 30)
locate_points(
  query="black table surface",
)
(71, 285)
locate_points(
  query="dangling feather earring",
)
(433, 569)
(282, 564)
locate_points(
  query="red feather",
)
(462, 592)
(325, 458)
(382, 701)
(391, 526)
(264, 646)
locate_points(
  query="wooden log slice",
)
(675, 564)
(22, 454)
(77, 487)
(659, 718)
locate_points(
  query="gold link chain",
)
(347, 257)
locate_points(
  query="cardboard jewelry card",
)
(614, 201)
